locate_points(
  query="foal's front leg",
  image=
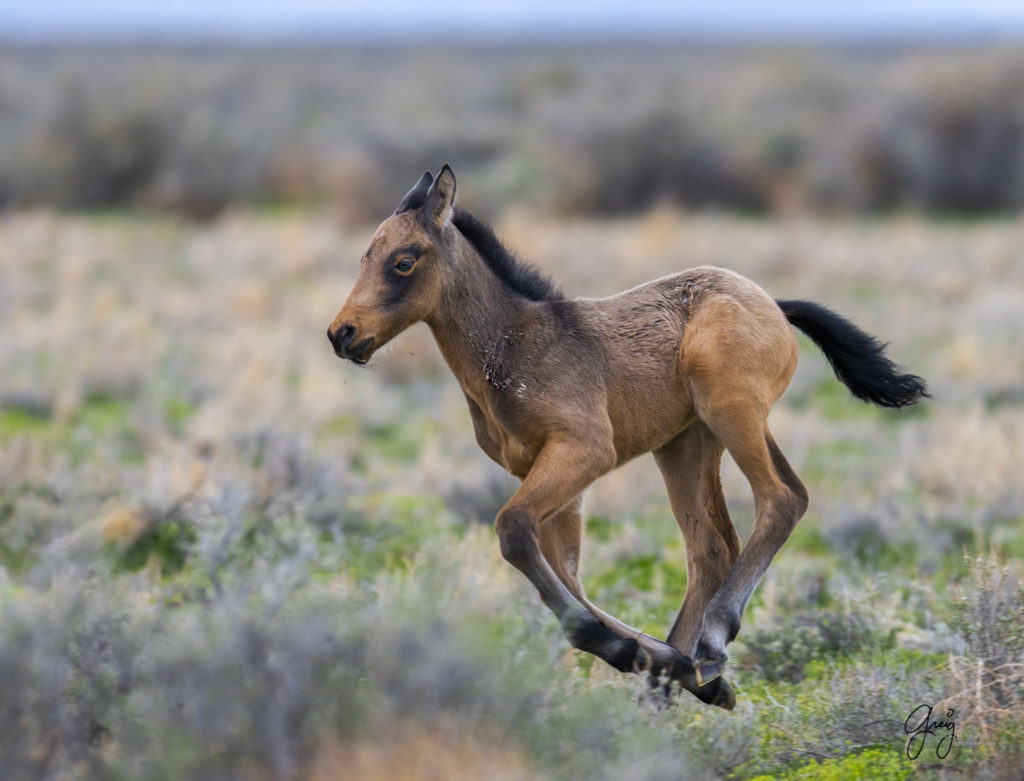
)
(560, 540)
(560, 473)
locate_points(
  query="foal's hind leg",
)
(690, 464)
(780, 500)
(738, 354)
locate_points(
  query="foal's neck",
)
(477, 317)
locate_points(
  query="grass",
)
(225, 554)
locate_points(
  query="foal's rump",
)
(737, 345)
(736, 333)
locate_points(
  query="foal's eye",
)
(404, 265)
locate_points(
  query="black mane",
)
(517, 275)
(520, 277)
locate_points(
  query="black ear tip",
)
(417, 195)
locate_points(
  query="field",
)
(226, 554)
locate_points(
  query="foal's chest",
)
(500, 443)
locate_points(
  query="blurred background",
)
(588, 108)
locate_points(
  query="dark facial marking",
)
(396, 281)
(403, 259)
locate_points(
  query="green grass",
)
(871, 765)
(22, 423)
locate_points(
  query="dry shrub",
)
(611, 130)
(417, 752)
(978, 456)
(783, 652)
(661, 158)
(987, 682)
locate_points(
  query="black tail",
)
(858, 359)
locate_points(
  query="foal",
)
(561, 391)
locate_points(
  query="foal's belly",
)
(646, 418)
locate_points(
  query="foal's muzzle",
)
(345, 345)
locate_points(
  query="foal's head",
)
(400, 276)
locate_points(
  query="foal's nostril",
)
(342, 337)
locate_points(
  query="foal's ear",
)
(437, 208)
(417, 195)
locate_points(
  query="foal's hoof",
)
(718, 692)
(714, 691)
(726, 696)
(708, 670)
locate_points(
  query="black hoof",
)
(724, 695)
(714, 691)
(707, 670)
(683, 675)
(727, 696)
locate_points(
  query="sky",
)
(510, 19)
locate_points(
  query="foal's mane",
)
(518, 276)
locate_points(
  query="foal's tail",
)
(857, 358)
